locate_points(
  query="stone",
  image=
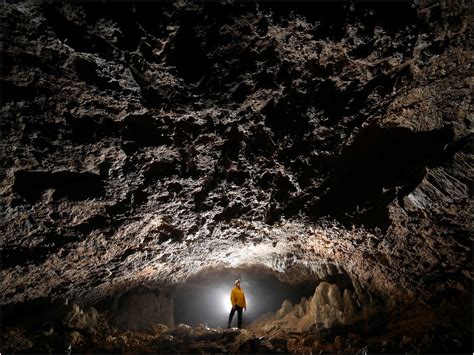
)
(142, 309)
(286, 308)
(75, 340)
(159, 328)
(339, 342)
(348, 305)
(78, 318)
(15, 341)
(139, 150)
(325, 309)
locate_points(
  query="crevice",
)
(187, 55)
(145, 130)
(378, 166)
(74, 35)
(70, 184)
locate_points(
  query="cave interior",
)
(153, 153)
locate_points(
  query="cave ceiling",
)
(145, 143)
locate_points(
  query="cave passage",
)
(154, 152)
(206, 297)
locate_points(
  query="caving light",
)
(226, 304)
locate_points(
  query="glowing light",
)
(226, 304)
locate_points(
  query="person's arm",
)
(233, 298)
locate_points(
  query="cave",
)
(206, 297)
(154, 153)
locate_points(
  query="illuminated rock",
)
(325, 309)
(144, 143)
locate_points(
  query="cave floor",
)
(414, 334)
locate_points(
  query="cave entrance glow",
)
(206, 297)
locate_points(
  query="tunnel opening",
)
(205, 298)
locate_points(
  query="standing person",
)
(237, 297)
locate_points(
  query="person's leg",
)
(239, 316)
(231, 315)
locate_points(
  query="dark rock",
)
(69, 184)
(14, 341)
(140, 309)
(145, 130)
(142, 143)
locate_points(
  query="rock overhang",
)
(141, 173)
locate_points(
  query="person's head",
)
(237, 283)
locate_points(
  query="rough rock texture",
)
(182, 338)
(202, 339)
(140, 309)
(142, 143)
(328, 307)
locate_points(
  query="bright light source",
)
(226, 304)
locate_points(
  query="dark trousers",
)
(239, 315)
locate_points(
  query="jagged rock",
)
(142, 144)
(78, 318)
(142, 309)
(305, 124)
(159, 328)
(75, 340)
(15, 341)
(325, 309)
(327, 304)
(286, 308)
(301, 308)
(348, 307)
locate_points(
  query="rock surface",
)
(328, 307)
(140, 309)
(143, 143)
(202, 339)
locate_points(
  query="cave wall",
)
(142, 143)
(140, 309)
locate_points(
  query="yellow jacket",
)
(237, 297)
